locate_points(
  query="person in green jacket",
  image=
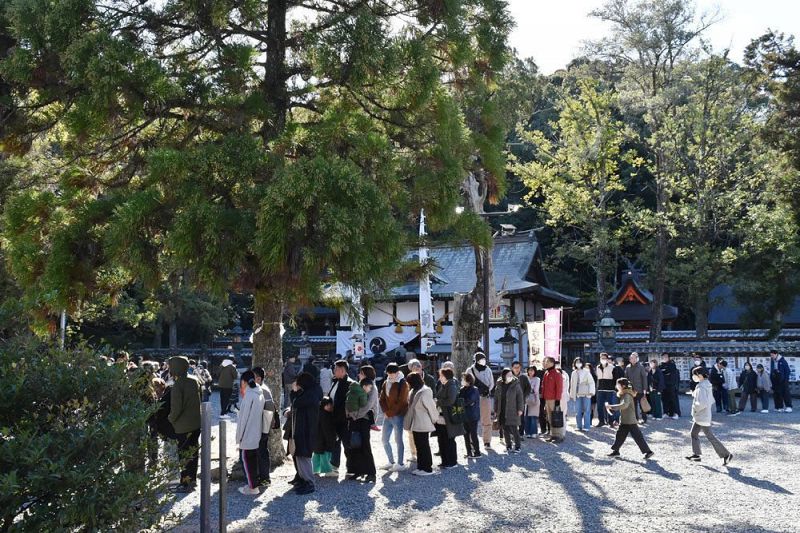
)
(184, 415)
(628, 423)
(226, 382)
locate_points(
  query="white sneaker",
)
(247, 491)
(334, 473)
(787, 410)
(422, 473)
(388, 466)
(779, 410)
(765, 410)
(399, 468)
(675, 417)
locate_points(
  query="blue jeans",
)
(530, 425)
(603, 396)
(583, 408)
(395, 424)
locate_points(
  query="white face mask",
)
(604, 362)
(464, 384)
(509, 379)
(696, 362)
(482, 362)
(579, 366)
(696, 378)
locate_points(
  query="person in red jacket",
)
(552, 387)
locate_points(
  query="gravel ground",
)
(569, 487)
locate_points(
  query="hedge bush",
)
(73, 444)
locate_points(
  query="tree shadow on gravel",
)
(764, 484)
(654, 467)
(349, 499)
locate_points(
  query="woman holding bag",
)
(552, 390)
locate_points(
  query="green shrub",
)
(73, 444)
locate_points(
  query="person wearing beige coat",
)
(420, 419)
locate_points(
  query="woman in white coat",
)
(581, 390)
(702, 400)
(248, 429)
(420, 419)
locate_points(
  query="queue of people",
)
(322, 425)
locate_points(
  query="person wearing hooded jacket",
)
(269, 414)
(305, 399)
(484, 382)
(508, 407)
(249, 430)
(702, 400)
(184, 415)
(225, 382)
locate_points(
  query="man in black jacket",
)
(338, 393)
(717, 378)
(672, 379)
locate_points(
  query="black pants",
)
(669, 398)
(424, 458)
(342, 436)
(471, 437)
(251, 466)
(188, 448)
(544, 425)
(263, 458)
(360, 462)
(224, 401)
(622, 434)
(447, 446)
(512, 433)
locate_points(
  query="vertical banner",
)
(552, 333)
(426, 320)
(356, 320)
(535, 343)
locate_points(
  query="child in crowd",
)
(326, 440)
(628, 423)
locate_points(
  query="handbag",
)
(557, 417)
(644, 404)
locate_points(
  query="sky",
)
(551, 31)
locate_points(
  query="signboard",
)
(552, 333)
(535, 343)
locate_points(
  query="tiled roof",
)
(677, 335)
(516, 270)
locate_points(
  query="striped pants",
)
(250, 464)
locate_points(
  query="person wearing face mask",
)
(472, 414)
(419, 422)
(702, 400)
(394, 404)
(508, 406)
(581, 391)
(605, 389)
(449, 424)
(532, 404)
(763, 387)
(619, 372)
(748, 382)
(655, 387)
(637, 375)
(672, 378)
(629, 425)
(484, 382)
(697, 362)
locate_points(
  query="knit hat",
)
(479, 355)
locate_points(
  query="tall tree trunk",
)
(158, 334)
(267, 353)
(173, 334)
(600, 282)
(660, 273)
(701, 307)
(468, 312)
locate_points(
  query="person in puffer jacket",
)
(248, 430)
(702, 400)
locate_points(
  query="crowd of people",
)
(328, 414)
